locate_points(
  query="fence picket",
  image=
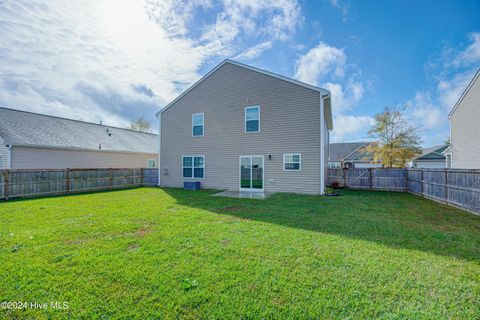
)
(460, 188)
(28, 183)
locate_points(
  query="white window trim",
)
(203, 123)
(245, 119)
(292, 154)
(193, 165)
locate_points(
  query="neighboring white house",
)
(350, 155)
(430, 158)
(464, 150)
(35, 141)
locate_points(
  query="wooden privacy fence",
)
(28, 183)
(460, 188)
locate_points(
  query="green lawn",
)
(168, 253)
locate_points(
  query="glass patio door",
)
(251, 173)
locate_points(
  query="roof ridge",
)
(81, 121)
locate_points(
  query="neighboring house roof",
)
(432, 153)
(340, 151)
(360, 154)
(21, 128)
(323, 92)
(475, 77)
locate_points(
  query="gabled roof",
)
(322, 91)
(360, 154)
(21, 128)
(432, 153)
(477, 75)
(340, 151)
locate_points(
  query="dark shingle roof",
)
(338, 151)
(32, 129)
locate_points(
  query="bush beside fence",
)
(460, 188)
(28, 183)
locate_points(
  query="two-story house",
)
(464, 149)
(241, 128)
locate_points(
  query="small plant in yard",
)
(335, 184)
(188, 284)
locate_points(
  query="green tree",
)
(140, 124)
(395, 141)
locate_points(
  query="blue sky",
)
(117, 60)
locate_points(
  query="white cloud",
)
(342, 6)
(451, 73)
(319, 61)
(255, 51)
(471, 54)
(351, 128)
(114, 60)
(423, 113)
(326, 66)
(275, 19)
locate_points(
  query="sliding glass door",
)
(251, 173)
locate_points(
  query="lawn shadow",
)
(398, 220)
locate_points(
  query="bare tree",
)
(140, 124)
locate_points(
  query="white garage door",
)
(367, 165)
(431, 165)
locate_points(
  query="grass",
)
(169, 253)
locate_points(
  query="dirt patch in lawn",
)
(143, 231)
(230, 209)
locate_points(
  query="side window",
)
(151, 163)
(252, 119)
(292, 162)
(193, 167)
(197, 124)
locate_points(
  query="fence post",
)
(6, 176)
(371, 178)
(344, 178)
(421, 181)
(111, 178)
(141, 177)
(67, 174)
(446, 186)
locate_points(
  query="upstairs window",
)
(193, 166)
(197, 124)
(292, 162)
(252, 119)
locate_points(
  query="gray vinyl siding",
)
(289, 123)
(49, 158)
(4, 156)
(465, 126)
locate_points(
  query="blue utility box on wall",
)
(191, 185)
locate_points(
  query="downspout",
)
(159, 116)
(322, 145)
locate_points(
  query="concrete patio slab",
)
(243, 194)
